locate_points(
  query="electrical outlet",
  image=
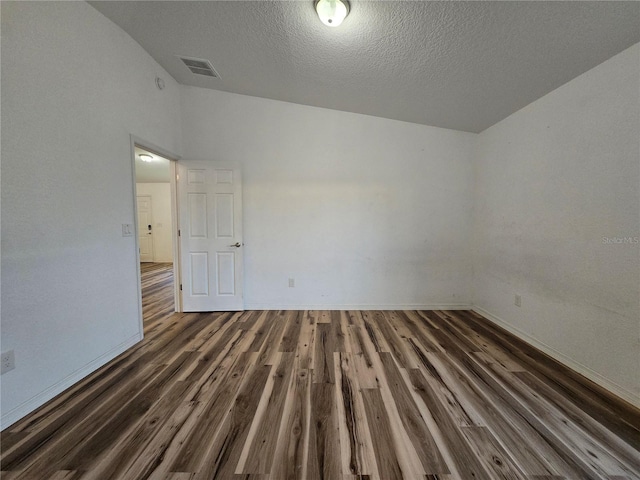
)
(517, 301)
(7, 362)
(292, 283)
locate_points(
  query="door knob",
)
(237, 244)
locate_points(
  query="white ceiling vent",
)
(200, 66)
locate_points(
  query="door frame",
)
(173, 159)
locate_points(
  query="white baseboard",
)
(583, 370)
(41, 398)
(433, 306)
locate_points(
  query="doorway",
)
(154, 178)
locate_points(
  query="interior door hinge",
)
(178, 232)
(180, 287)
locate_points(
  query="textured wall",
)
(360, 211)
(553, 182)
(74, 87)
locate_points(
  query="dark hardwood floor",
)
(157, 291)
(345, 395)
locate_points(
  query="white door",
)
(145, 232)
(210, 223)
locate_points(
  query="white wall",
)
(74, 87)
(161, 217)
(551, 181)
(360, 211)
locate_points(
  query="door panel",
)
(197, 215)
(226, 273)
(224, 215)
(210, 222)
(199, 274)
(145, 232)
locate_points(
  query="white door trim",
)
(177, 278)
(140, 142)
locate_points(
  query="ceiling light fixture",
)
(332, 12)
(145, 157)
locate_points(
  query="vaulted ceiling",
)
(451, 64)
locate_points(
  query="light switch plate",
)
(127, 229)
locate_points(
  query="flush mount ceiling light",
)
(332, 12)
(145, 157)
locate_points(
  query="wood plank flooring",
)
(275, 395)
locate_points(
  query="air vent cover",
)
(200, 66)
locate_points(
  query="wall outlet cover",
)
(7, 361)
(517, 301)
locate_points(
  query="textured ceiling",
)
(452, 64)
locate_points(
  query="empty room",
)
(320, 239)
